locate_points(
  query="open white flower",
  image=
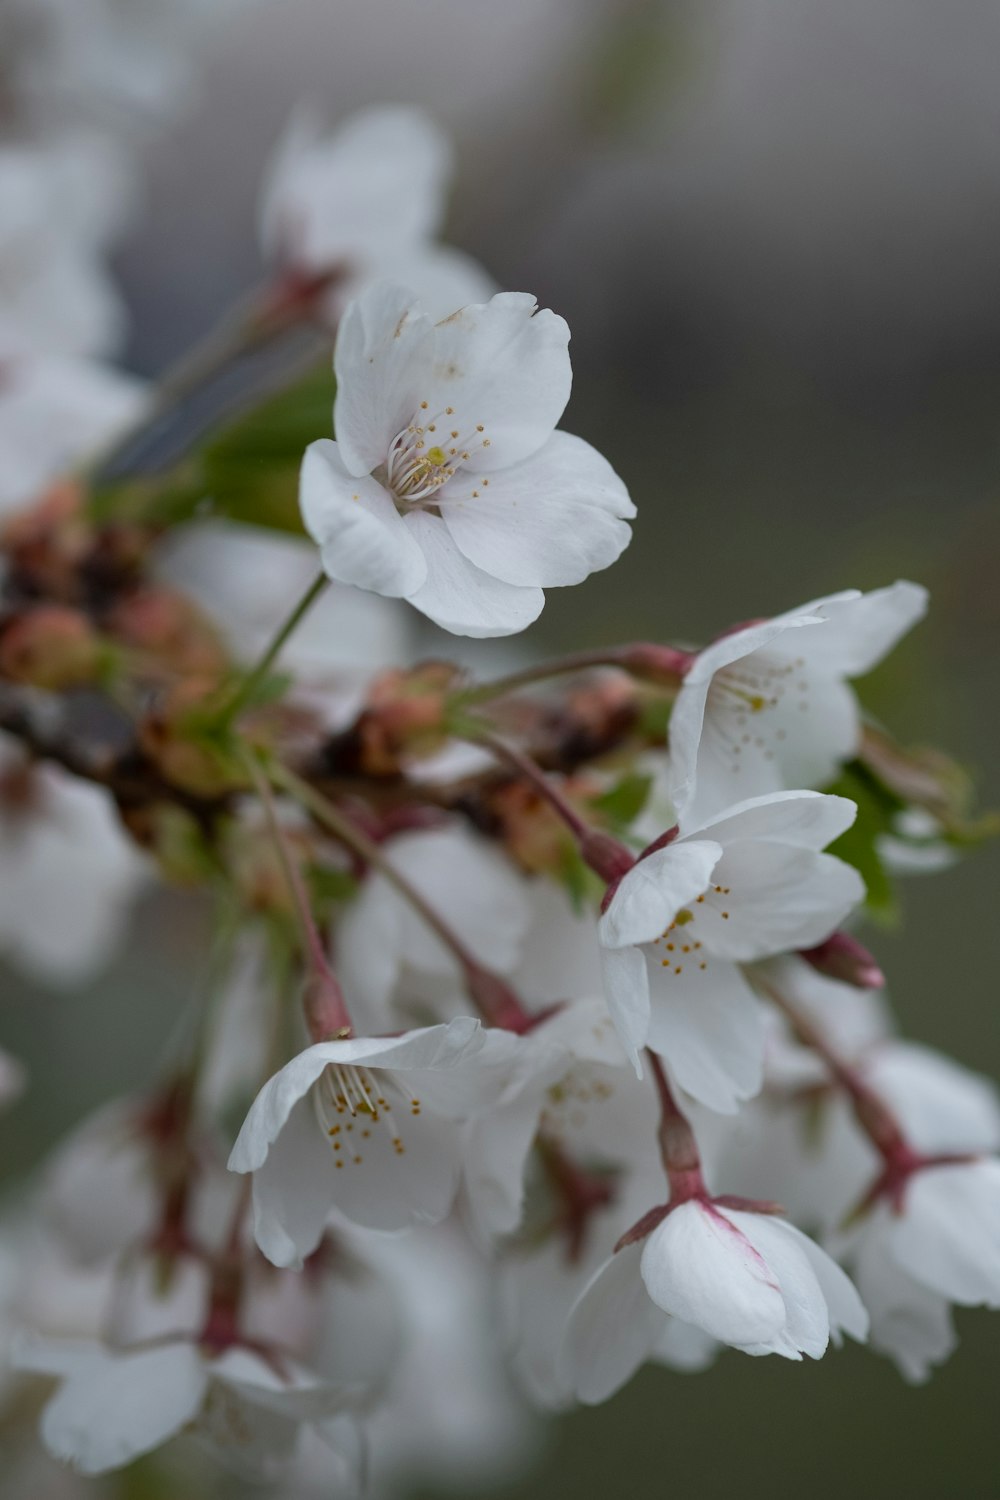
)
(768, 707)
(447, 485)
(749, 884)
(746, 1279)
(366, 201)
(369, 1126)
(113, 1406)
(55, 296)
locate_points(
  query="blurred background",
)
(773, 227)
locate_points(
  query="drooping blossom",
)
(747, 1279)
(369, 1126)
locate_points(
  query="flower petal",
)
(862, 629)
(698, 1266)
(807, 820)
(428, 1048)
(948, 1236)
(361, 536)
(707, 1026)
(373, 185)
(551, 520)
(114, 1407)
(626, 984)
(380, 361)
(460, 597)
(650, 894)
(294, 1189)
(807, 1320)
(780, 898)
(502, 366)
(613, 1329)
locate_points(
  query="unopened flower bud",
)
(842, 957)
(167, 626)
(52, 647)
(405, 717)
(176, 736)
(664, 666)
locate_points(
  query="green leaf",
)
(859, 845)
(622, 803)
(248, 471)
(330, 885)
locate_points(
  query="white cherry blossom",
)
(112, 1406)
(744, 1278)
(68, 870)
(364, 202)
(369, 1126)
(768, 707)
(55, 296)
(56, 411)
(447, 485)
(683, 920)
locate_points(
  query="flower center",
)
(350, 1101)
(679, 948)
(750, 703)
(427, 453)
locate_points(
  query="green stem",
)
(249, 684)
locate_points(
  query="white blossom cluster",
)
(495, 1121)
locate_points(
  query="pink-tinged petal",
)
(650, 895)
(864, 628)
(626, 985)
(807, 1319)
(805, 820)
(112, 1408)
(700, 1268)
(847, 1312)
(551, 520)
(294, 1189)
(707, 1026)
(362, 538)
(501, 366)
(462, 598)
(612, 1329)
(381, 363)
